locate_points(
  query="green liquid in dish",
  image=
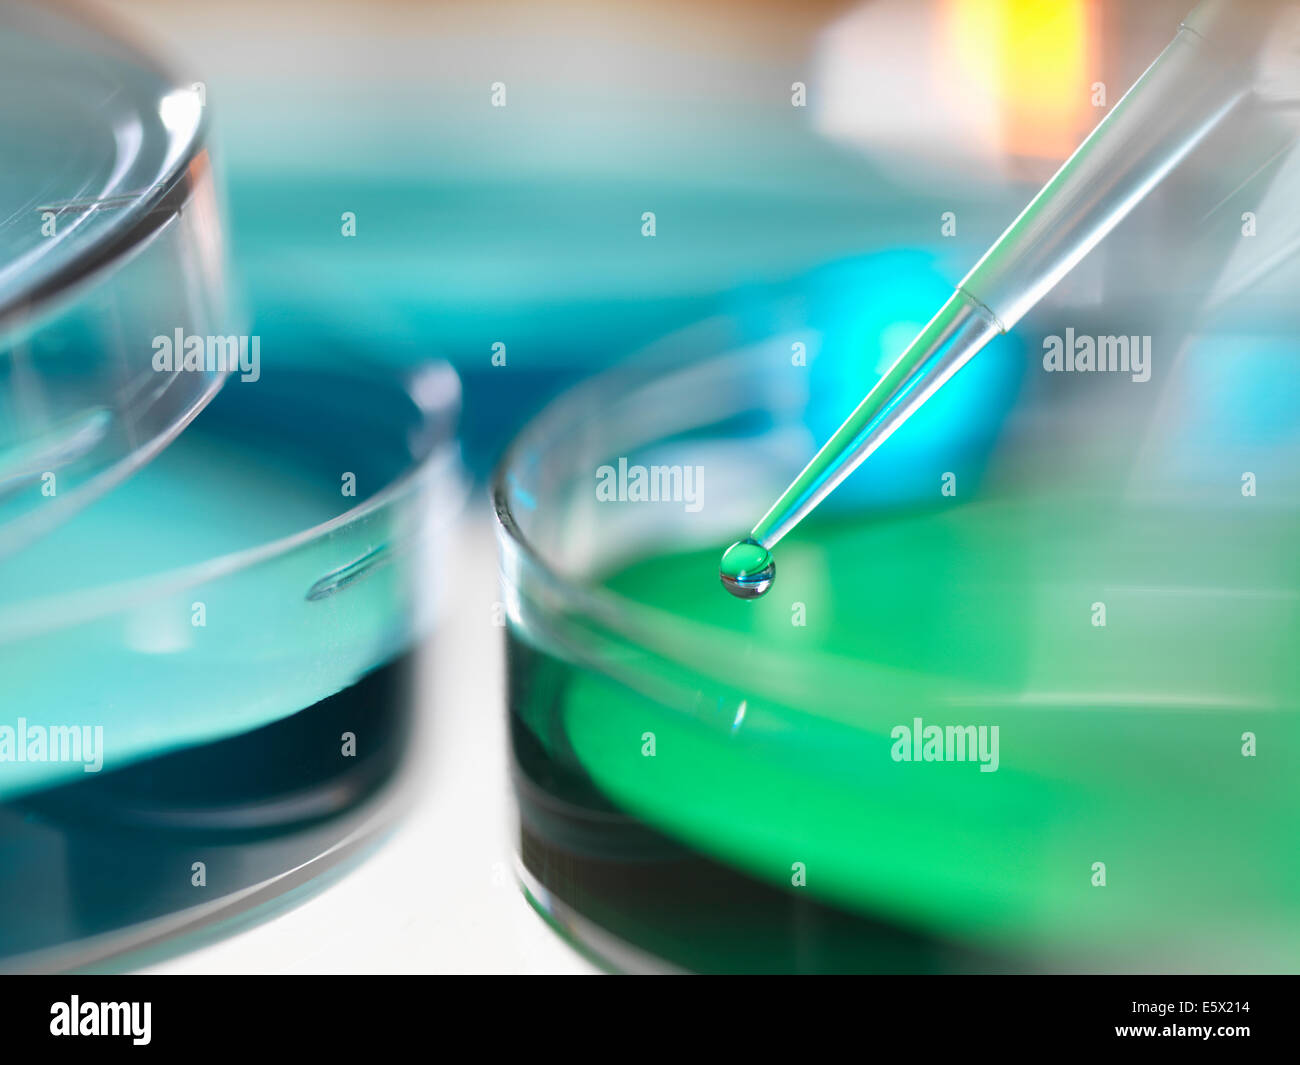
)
(775, 738)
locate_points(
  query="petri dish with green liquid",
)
(1021, 695)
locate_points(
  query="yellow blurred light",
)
(1033, 58)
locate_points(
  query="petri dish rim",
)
(165, 208)
(433, 389)
(657, 366)
(151, 212)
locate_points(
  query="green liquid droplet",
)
(748, 569)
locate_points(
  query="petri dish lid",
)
(97, 142)
(110, 237)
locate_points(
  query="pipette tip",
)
(748, 569)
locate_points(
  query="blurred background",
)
(521, 224)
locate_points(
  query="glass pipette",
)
(1201, 76)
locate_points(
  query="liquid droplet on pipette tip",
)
(748, 569)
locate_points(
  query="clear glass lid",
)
(110, 251)
(96, 143)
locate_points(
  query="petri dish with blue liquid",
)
(972, 724)
(234, 643)
(216, 574)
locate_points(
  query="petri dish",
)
(110, 238)
(222, 651)
(719, 785)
